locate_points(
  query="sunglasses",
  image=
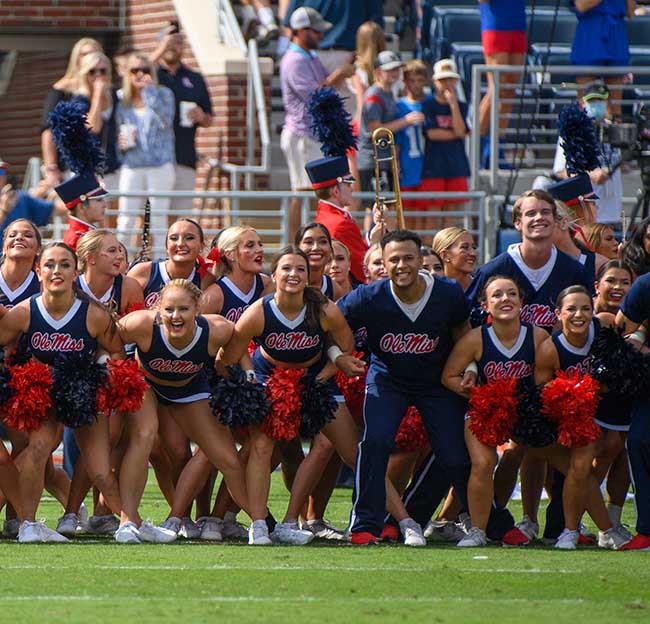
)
(140, 70)
(98, 71)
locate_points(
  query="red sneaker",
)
(390, 533)
(638, 542)
(515, 537)
(586, 540)
(363, 538)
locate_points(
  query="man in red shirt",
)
(331, 180)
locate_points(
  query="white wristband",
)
(472, 367)
(250, 375)
(639, 335)
(333, 353)
(102, 359)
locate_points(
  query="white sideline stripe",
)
(286, 599)
(287, 568)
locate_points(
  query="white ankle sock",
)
(265, 15)
(614, 512)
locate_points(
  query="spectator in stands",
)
(503, 35)
(145, 116)
(636, 251)
(301, 72)
(62, 89)
(17, 204)
(446, 167)
(606, 180)
(193, 109)
(380, 111)
(411, 141)
(120, 59)
(601, 39)
(259, 21)
(602, 239)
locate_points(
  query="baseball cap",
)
(388, 60)
(306, 17)
(596, 90)
(445, 68)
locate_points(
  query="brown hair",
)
(494, 278)
(415, 67)
(37, 232)
(595, 233)
(572, 290)
(537, 194)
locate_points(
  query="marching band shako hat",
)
(79, 188)
(328, 171)
(572, 190)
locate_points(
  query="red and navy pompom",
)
(532, 428)
(353, 389)
(412, 434)
(493, 411)
(331, 123)
(236, 401)
(579, 142)
(123, 389)
(134, 306)
(283, 388)
(318, 406)
(571, 401)
(30, 399)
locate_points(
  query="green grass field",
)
(94, 580)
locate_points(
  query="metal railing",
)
(257, 123)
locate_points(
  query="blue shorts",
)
(196, 389)
(264, 369)
(614, 412)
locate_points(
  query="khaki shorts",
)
(299, 150)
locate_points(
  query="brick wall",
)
(42, 15)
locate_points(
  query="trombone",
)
(382, 139)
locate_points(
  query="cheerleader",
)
(100, 259)
(503, 349)
(292, 327)
(373, 263)
(568, 351)
(457, 249)
(59, 321)
(174, 347)
(315, 241)
(339, 269)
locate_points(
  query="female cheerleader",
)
(503, 349)
(373, 263)
(59, 321)
(568, 351)
(339, 269)
(174, 347)
(457, 249)
(100, 260)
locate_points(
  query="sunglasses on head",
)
(98, 71)
(140, 70)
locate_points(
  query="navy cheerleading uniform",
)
(236, 302)
(499, 362)
(291, 342)
(48, 337)
(575, 360)
(10, 298)
(327, 287)
(112, 298)
(158, 278)
(167, 363)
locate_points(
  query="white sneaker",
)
(127, 534)
(37, 532)
(48, 535)
(103, 525)
(623, 530)
(211, 528)
(10, 528)
(568, 540)
(612, 539)
(231, 529)
(189, 530)
(475, 538)
(444, 531)
(172, 524)
(529, 528)
(148, 532)
(289, 533)
(68, 525)
(412, 533)
(322, 530)
(83, 518)
(258, 534)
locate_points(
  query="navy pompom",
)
(331, 124)
(318, 407)
(579, 141)
(79, 147)
(5, 378)
(236, 401)
(532, 427)
(76, 381)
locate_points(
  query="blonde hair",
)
(370, 42)
(345, 247)
(90, 244)
(595, 234)
(415, 67)
(371, 250)
(89, 62)
(229, 241)
(191, 289)
(127, 88)
(445, 238)
(72, 71)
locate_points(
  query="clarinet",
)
(143, 255)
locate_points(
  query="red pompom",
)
(411, 435)
(283, 388)
(30, 400)
(353, 389)
(123, 391)
(493, 411)
(571, 402)
(134, 306)
(251, 348)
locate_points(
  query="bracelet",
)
(250, 375)
(102, 359)
(51, 167)
(639, 335)
(333, 353)
(472, 367)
